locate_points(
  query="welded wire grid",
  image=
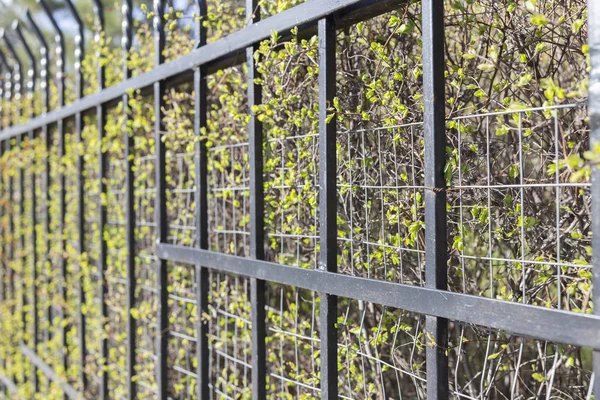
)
(70, 279)
(291, 156)
(517, 184)
(91, 255)
(40, 246)
(381, 212)
(291, 199)
(381, 350)
(228, 205)
(54, 308)
(22, 266)
(116, 268)
(9, 289)
(380, 184)
(146, 295)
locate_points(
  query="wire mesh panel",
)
(293, 348)
(116, 271)
(91, 254)
(382, 203)
(55, 337)
(146, 298)
(70, 275)
(517, 185)
(291, 162)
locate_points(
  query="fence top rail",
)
(304, 16)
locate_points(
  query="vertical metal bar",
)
(11, 230)
(257, 229)
(60, 127)
(4, 147)
(45, 88)
(31, 83)
(60, 82)
(9, 184)
(3, 266)
(20, 140)
(327, 206)
(60, 131)
(80, 207)
(435, 200)
(18, 96)
(594, 113)
(11, 197)
(2, 211)
(79, 54)
(126, 41)
(161, 204)
(60, 79)
(102, 217)
(201, 166)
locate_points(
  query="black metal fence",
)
(193, 258)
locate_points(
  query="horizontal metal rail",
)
(49, 372)
(304, 16)
(10, 385)
(518, 318)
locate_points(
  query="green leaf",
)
(576, 25)
(513, 171)
(486, 67)
(538, 20)
(501, 130)
(574, 161)
(524, 80)
(538, 377)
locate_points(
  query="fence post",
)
(257, 230)
(18, 95)
(5, 267)
(436, 276)
(79, 54)
(201, 183)
(44, 86)
(327, 206)
(60, 79)
(44, 60)
(161, 219)
(102, 189)
(60, 62)
(594, 113)
(126, 41)
(19, 88)
(31, 83)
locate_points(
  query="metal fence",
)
(184, 249)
